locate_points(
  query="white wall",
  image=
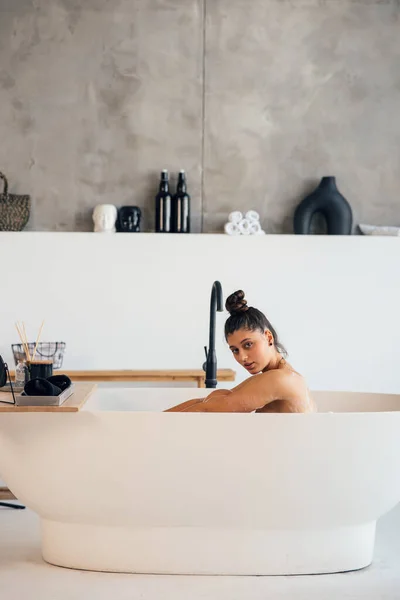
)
(141, 301)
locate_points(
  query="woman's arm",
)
(184, 405)
(190, 403)
(254, 393)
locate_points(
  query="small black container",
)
(129, 219)
(40, 368)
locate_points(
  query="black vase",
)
(328, 201)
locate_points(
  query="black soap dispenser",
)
(163, 205)
(181, 206)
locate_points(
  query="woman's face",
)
(252, 349)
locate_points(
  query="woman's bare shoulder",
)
(285, 378)
(285, 373)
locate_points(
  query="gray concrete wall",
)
(256, 99)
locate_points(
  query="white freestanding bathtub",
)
(121, 486)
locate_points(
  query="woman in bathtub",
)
(275, 386)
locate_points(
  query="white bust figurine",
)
(104, 218)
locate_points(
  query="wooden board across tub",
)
(72, 404)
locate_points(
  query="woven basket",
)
(45, 350)
(14, 209)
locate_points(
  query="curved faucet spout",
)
(216, 304)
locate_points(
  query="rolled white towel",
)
(244, 227)
(379, 230)
(255, 227)
(261, 232)
(232, 229)
(235, 216)
(252, 215)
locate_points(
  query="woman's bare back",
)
(298, 400)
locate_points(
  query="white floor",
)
(23, 574)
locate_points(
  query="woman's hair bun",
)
(236, 303)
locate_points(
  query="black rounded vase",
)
(328, 201)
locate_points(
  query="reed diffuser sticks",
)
(23, 340)
(37, 340)
(20, 327)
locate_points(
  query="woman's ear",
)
(269, 337)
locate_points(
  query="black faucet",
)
(210, 366)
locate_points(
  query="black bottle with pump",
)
(181, 206)
(163, 205)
